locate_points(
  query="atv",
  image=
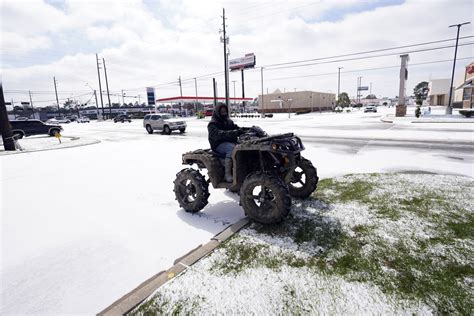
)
(267, 172)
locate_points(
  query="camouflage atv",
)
(267, 172)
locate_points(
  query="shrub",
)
(418, 111)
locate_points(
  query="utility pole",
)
(196, 89)
(56, 91)
(234, 81)
(180, 87)
(31, 103)
(226, 75)
(449, 109)
(261, 79)
(243, 89)
(96, 103)
(338, 82)
(123, 97)
(215, 92)
(180, 92)
(5, 127)
(107, 85)
(100, 86)
(370, 89)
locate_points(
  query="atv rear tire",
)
(304, 179)
(191, 190)
(265, 198)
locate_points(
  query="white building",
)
(439, 91)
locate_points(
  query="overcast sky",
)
(151, 43)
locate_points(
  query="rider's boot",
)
(228, 170)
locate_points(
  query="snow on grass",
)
(371, 243)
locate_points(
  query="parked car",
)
(164, 123)
(72, 118)
(370, 108)
(22, 129)
(83, 119)
(122, 118)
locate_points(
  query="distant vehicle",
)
(22, 129)
(122, 118)
(59, 120)
(370, 108)
(83, 119)
(22, 118)
(164, 123)
(72, 118)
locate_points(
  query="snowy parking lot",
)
(82, 226)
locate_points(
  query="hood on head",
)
(217, 109)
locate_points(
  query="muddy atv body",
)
(267, 173)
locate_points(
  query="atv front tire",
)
(304, 179)
(191, 190)
(265, 198)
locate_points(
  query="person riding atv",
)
(268, 171)
(223, 134)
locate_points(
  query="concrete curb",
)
(73, 138)
(130, 300)
(385, 119)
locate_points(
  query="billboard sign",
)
(150, 95)
(362, 88)
(248, 61)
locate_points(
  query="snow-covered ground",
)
(82, 226)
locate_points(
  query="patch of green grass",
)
(333, 191)
(397, 269)
(464, 229)
(162, 305)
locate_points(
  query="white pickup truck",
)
(164, 123)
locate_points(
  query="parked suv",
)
(33, 127)
(122, 118)
(164, 123)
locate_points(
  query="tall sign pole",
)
(401, 109)
(449, 109)
(5, 128)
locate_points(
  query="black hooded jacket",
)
(222, 129)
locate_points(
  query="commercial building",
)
(278, 102)
(439, 91)
(464, 93)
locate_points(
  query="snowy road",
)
(83, 226)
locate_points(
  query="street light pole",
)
(449, 109)
(338, 81)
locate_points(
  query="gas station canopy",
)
(199, 99)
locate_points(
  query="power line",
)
(367, 52)
(362, 70)
(368, 57)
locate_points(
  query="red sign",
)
(470, 69)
